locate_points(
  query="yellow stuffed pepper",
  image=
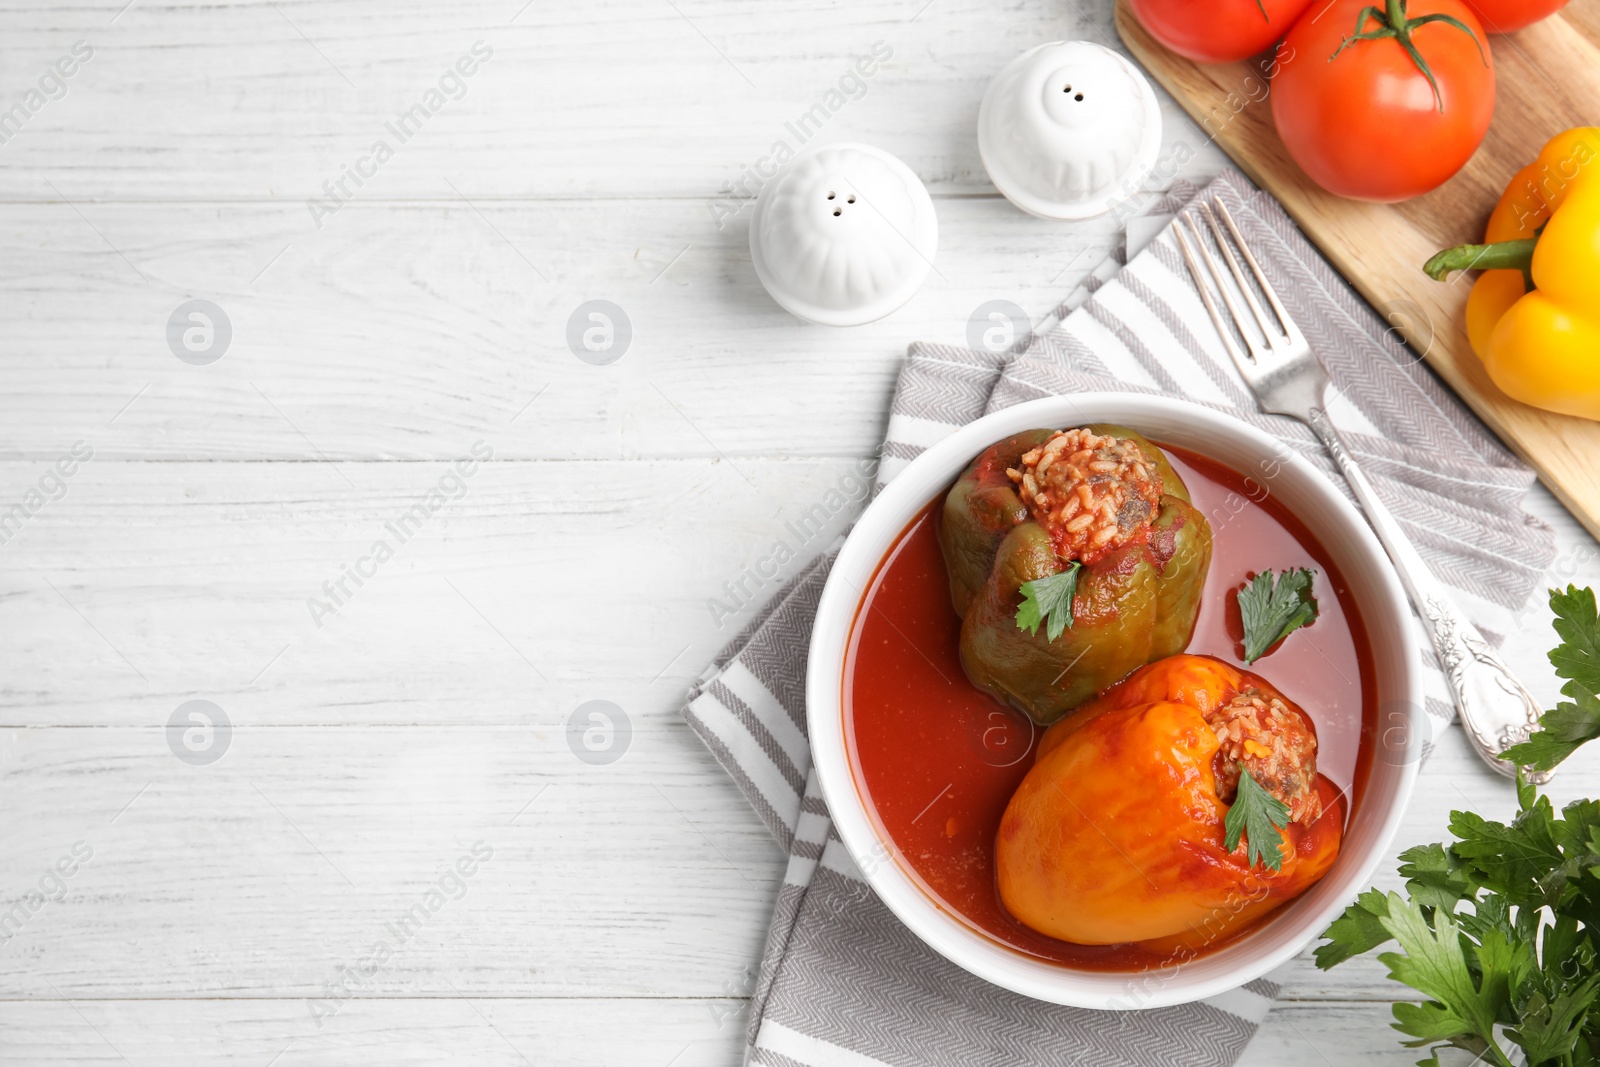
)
(1534, 315)
(1120, 831)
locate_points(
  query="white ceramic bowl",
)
(1377, 811)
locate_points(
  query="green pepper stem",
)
(1502, 255)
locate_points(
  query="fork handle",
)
(1496, 709)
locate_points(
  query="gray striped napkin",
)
(842, 982)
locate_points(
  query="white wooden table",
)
(228, 912)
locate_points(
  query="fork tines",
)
(1275, 338)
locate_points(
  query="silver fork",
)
(1495, 708)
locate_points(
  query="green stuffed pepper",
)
(1100, 505)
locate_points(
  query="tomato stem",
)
(1263, 6)
(1502, 255)
(1396, 23)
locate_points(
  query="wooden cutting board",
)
(1548, 79)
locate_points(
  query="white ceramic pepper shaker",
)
(843, 235)
(1068, 129)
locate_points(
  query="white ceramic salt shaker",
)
(1068, 129)
(844, 234)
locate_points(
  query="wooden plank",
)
(408, 331)
(1381, 248)
(540, 586)
(574, 1032)
(1334, 1035)
(611, 98)
(283, 867)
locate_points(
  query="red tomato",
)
(1504, 16)
(1366, 123)
(1218, 31)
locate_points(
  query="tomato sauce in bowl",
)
(936, 759)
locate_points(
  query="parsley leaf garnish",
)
(1571, 723)
(1049, 601)
(1271, 612)
(1435, 963)
(1360, 929)
(1550, 1030)
(1578, 625)
(1435, 877)
(1562, 730)
(1260, 817)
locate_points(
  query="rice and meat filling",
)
(1275, 744)
(1093, 493)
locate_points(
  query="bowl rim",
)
(1269, 945)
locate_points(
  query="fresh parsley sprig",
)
(1569, 725)
(1271, 611)
(1500, 928)
(1260, 817)
(1049, 601)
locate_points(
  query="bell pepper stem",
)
(1502, 255)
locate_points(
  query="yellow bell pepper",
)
(1534, 315)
